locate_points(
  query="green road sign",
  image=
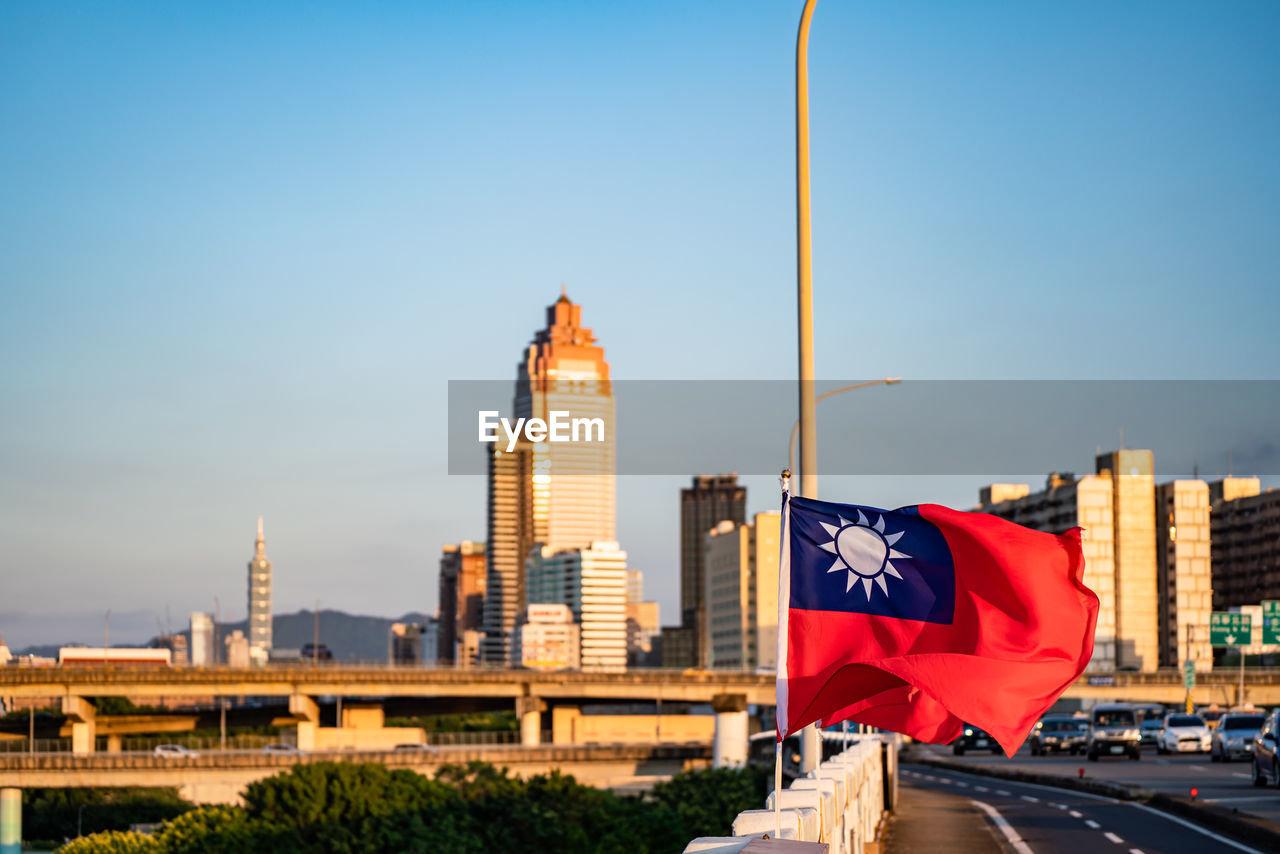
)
(1188, 675)
(1270, 621)
(1227, 628)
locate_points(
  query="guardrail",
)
(841, 803)
(213, 744)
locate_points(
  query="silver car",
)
(1233, 737)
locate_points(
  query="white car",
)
(176, 751)
(1184, 734)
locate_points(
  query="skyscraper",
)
(557, 495)
(592, 582)
(710, 500)
(259, 601)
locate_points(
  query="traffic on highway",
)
(1226, 757)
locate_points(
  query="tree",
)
(111, 842)
(59, 813)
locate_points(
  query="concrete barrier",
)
(840, 804)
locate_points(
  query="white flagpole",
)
(784, 604)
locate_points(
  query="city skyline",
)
(239, 287)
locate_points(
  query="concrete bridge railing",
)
(841, 804)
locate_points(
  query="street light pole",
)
(810, 744)
(791, 449)
(804, 264)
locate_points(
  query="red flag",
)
(922, 619)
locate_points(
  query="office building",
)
(592, 582)
(742, 593)
(1116, 510)
(678, 648)
(553, 495)
(1183, 576)
(547, 638)
(238, 650)
(462, 586)
(260, 601)
(176, 644)
(1246, 542)
(642, 623)
(404, 647)
(201, 648)
(708, 501)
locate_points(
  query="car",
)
(1234, 735)
(1056, 733)
(1266, 763)
(1113, 731)
(1150, 729)
(281, 748)
(1149, 711)
(175, 751)
(974, 738)
(1184, 733)
(1211, 715)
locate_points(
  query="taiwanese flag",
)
(922, 619)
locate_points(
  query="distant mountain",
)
(350, 637)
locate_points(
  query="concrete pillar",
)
(10, 821)
(529, 710)
(307, 714)
(82, 715)
(115, 743)
(729, 750)
(810, 748)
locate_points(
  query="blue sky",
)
(244, 248)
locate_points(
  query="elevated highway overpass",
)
(536, 696)
(220, 777)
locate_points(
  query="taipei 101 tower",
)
(259, 601)
(556, 494)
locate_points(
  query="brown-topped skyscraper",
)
(556, 494)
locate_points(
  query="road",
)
(1030, 819)
(1228, 784)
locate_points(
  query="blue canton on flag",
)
(846, 557)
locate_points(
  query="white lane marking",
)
(945, 780)
(1004, 793)
(1116, 839)
(930, 777)
(1057, 790)
(1031, 799)
(1238, 774)
(1076, 814)
(1173, 818)
(1135, 851)
(1093, 825)
(981, 789)
(1005, 828)
(1058, 806)
(1197, 768)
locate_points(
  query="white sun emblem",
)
(864, 551)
